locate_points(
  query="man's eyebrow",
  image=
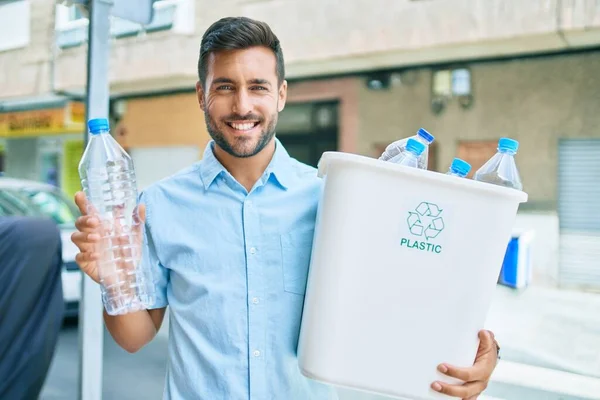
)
(222, 80)
(260, 82)
(256, 81)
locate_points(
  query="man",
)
(31, 304)
(229, 240)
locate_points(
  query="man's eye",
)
(225, 87)
(259, 88)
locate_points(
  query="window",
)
(75, 13)
(175, 15)
(54, 206)
(309, 129)
(14, 204)
(15, 23)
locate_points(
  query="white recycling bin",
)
(403, 270)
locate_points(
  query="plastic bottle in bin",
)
(399, 146)
(108, 180)
(501, 169)
(410, 157)
(459, 168)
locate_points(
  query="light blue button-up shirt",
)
(232, 267)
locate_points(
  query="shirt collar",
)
(280, 167)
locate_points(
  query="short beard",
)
(265, 137)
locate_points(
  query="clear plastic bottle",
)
(501, 169)
(410, 157)
(459, 168)
(108, 180)
(398, 146)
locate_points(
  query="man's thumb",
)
(142, 213)
(486, 339)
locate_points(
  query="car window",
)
(4, 212)
(53, 205)
(14, 203)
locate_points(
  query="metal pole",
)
(91, 327)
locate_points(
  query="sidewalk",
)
(126, 376)
(549, 328)
(541, 327)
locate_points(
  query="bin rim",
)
(329, 157)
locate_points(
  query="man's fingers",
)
(464, 391)
(142, 213)
(139, 218)
(85, 258)
(486, 341)
(468, 374)
(83, 205)
(81, 202)
(85, 240)
(87, 224)
(486, 355)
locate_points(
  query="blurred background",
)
(361, 75)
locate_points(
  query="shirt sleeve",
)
(150, 263)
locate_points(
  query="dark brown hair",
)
(237, 33)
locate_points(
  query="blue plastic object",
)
(508, 144)
(98, 125)
(415, 147)
(428, 137)
(516, 268)
(460, 167)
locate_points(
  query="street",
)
(126, 376)
(530, 326)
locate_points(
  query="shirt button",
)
(256, 353)
(252, 250)
(255, 300)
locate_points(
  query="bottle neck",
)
(423, 140)
(507, 151)
(456, 173)
(98, 133)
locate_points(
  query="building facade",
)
(361, 76)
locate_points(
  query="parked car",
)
(24, 197)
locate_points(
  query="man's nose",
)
(242, 104)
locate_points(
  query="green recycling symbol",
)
(426, 220)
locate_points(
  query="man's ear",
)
(282, 96)
(200, 95)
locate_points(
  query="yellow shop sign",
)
(67, 119)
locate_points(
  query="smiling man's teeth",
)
(243, 127)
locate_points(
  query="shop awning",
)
(48, 114)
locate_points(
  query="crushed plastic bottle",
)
(459, 168)
(108, 180)
(398, 147)
(410, 157)
(501, 169)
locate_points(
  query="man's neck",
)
(247, 171)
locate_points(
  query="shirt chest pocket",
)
(296, 248)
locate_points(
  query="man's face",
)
(241, 99)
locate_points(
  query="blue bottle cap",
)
(460, 166)
(508, 144)
(425, 135)
(98, 125)
(415, 147)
